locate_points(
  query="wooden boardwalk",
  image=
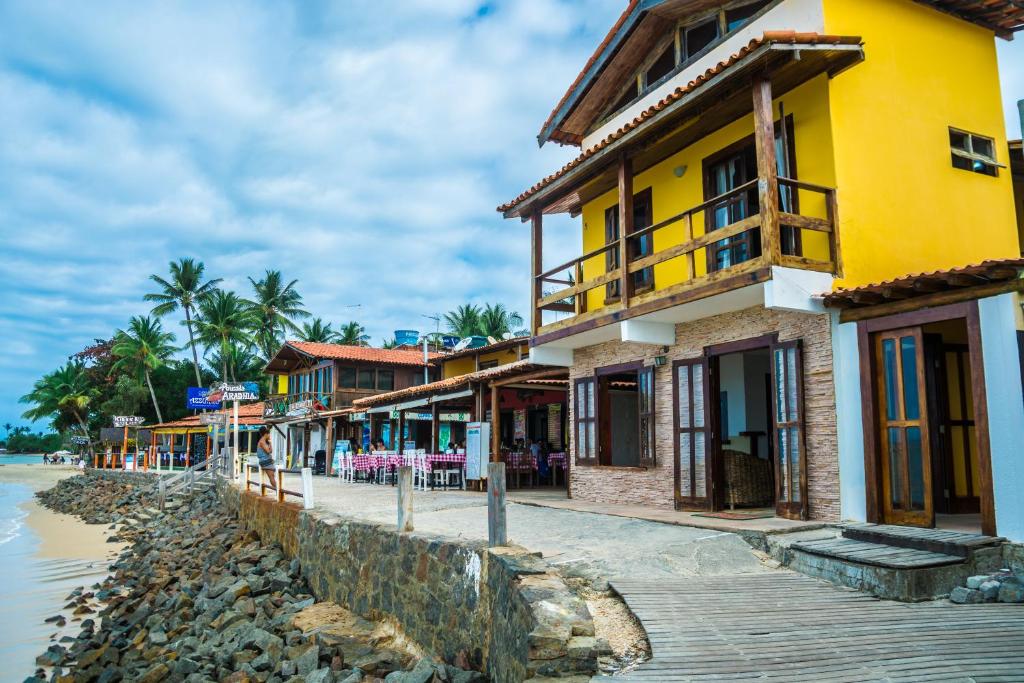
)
(783, 626)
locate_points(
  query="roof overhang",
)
(721, 95)
(288, 358)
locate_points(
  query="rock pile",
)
(198, 598)
(99, 497)
(1003, 586)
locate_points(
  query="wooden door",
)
(788, 431)
(903, 433)
(692, 436)
(733, 169)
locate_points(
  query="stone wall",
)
(655, 487)
(501, 611)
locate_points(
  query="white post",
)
(235, 460)
(405, 489)
(307, 488)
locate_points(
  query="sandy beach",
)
(43, 557)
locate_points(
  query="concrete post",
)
(497, 531)
(161, 492)
(404, 499)
(307, 488)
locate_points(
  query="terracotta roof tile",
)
(248, 414)
(365, 354)
(769, 37)
(991, 270)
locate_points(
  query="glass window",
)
(366, 379)
(972, 152)
(347, 378)
(696, 38)
(735, 18)
(661, 67)
(911, 398)
(386, 379)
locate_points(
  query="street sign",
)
(211, 418)
(238, 391)
(128, 420)
(80, 440)
(196, 399)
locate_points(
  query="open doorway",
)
(746, 462)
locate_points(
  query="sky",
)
(360, 147)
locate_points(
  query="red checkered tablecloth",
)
(521, 461)
(363, 463)
(458, 458)
(556, 460)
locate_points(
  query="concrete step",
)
(931, 540)
(889, 571)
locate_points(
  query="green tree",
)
(223, 321)
(64, 391)
(243, 365)
(126, 397)
(184, 289)
(7, 428)
(274, 307)
(389, 343)
(317, 331)
(352, 334)
(497, 321)
(464, 321)
(142, 348)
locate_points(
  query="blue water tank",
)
(404, 337)
(449, 341)
(478, 342)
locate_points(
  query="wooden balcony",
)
(777, 233)
(313, 402)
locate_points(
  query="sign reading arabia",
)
(128, 420)
(211, 418)
(80, 440)
(237, 391)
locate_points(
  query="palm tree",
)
(184, 289)
(65, 390)
(241, 362)
(389, 343)
(497, 321)
(352, 334)
(317, 331)
(144, 347)
(273, 308)
(224, 321)
(464, 321)
(7, 428)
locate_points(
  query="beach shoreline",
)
(46, 555)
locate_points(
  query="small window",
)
(662, 66)
(972, 152)
(366, 379)
(347, 378)
(386, 379)
(735, 18)
(696, 38)
(488, 364)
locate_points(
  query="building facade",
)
(739, 162)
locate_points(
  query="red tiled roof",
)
(490, 348)
(586, 67)
(995, 270)
(769, 37)
(248, 414)
(366, 354)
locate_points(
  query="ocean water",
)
(32, 588)
(22, 459)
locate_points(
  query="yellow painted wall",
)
(466, 365)
(809, 107)
(282, 384)
(903, 207)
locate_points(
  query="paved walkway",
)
(787, 627)
(592, 546)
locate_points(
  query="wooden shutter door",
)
(645, 400)
(788, 432)
(692, 435)
(585, 434)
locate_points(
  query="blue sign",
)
(197, 399)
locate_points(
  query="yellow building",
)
(740, 161)
(463, 362)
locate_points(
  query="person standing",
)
(265, 454)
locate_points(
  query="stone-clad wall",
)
(655, 487)
(501, 610)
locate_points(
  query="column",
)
(767, 170)
(536, 267)
(625, 226)
(495, 425)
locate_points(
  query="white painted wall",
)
(846, 375)
(1005, 398)
(798, 15)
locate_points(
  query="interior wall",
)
(625, 426)
(756, 365)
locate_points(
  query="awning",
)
(452, 396)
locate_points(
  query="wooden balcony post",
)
(536, 262)
(580, 300)
(625, 226)
(767, 171)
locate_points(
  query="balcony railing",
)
(311, 402)
(776, 235)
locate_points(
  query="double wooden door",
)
(907, 496)
(699, 481)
